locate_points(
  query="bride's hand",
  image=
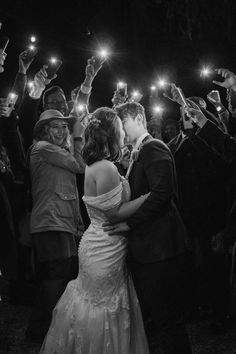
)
(116, 229)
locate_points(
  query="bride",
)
(99, 312)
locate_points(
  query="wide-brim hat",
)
(49, 115)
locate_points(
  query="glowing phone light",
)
(103, 53)
(31, 47)
(158, 109)
(12, 95)
(162, 83)
(135, 94)
(120, 84)
(53, 60)
(30, 84)
(206, 71)
(80, 107)
(33, 39)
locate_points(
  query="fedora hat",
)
(49, 115)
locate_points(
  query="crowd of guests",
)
(43, 215)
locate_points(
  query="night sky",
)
(147, 39)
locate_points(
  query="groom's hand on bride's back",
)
(115, 229)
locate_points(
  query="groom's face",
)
(130, 126)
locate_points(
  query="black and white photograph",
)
(118, 177)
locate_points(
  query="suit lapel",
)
(132, 162)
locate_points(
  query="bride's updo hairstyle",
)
(102, 136)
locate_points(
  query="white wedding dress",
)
(99, 312)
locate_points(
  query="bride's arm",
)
(108, 179)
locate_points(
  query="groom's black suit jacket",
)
(157, 231)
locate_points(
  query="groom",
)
(157, 241)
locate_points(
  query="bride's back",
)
(100, 178)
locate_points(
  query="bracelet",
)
(85, 89)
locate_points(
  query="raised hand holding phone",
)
(229, 79)
(7, 104)
(121, 87)
(195, 114)
(52, 66)
(177, 95)
(4, 40)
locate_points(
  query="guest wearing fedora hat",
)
(55, 217)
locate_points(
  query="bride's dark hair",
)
(102, 137)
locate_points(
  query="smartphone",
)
(183, 98)
(4, 40)
(82, 110)
(53, 66)
(11, 99)
(98, 61)
(31, 51)
(208, 73)
(121, 87)
(187, 122)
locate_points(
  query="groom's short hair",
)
(131, 108)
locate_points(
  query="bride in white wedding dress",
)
(99, 312)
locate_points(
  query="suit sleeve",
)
(221, 143)
(158, 166)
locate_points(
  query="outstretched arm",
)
(222, 143)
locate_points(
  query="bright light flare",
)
(32, 47)
(158, 109)
(80, 107)
(206, 71)
(53, 60)
(32, 39)
(120, 84)
(30, 84)
(153, 88)
(12, 95)
(161, 83)
(135, 94)
(103, 53)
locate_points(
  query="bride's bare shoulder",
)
(103, 166)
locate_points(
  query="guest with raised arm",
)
(55, 216)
